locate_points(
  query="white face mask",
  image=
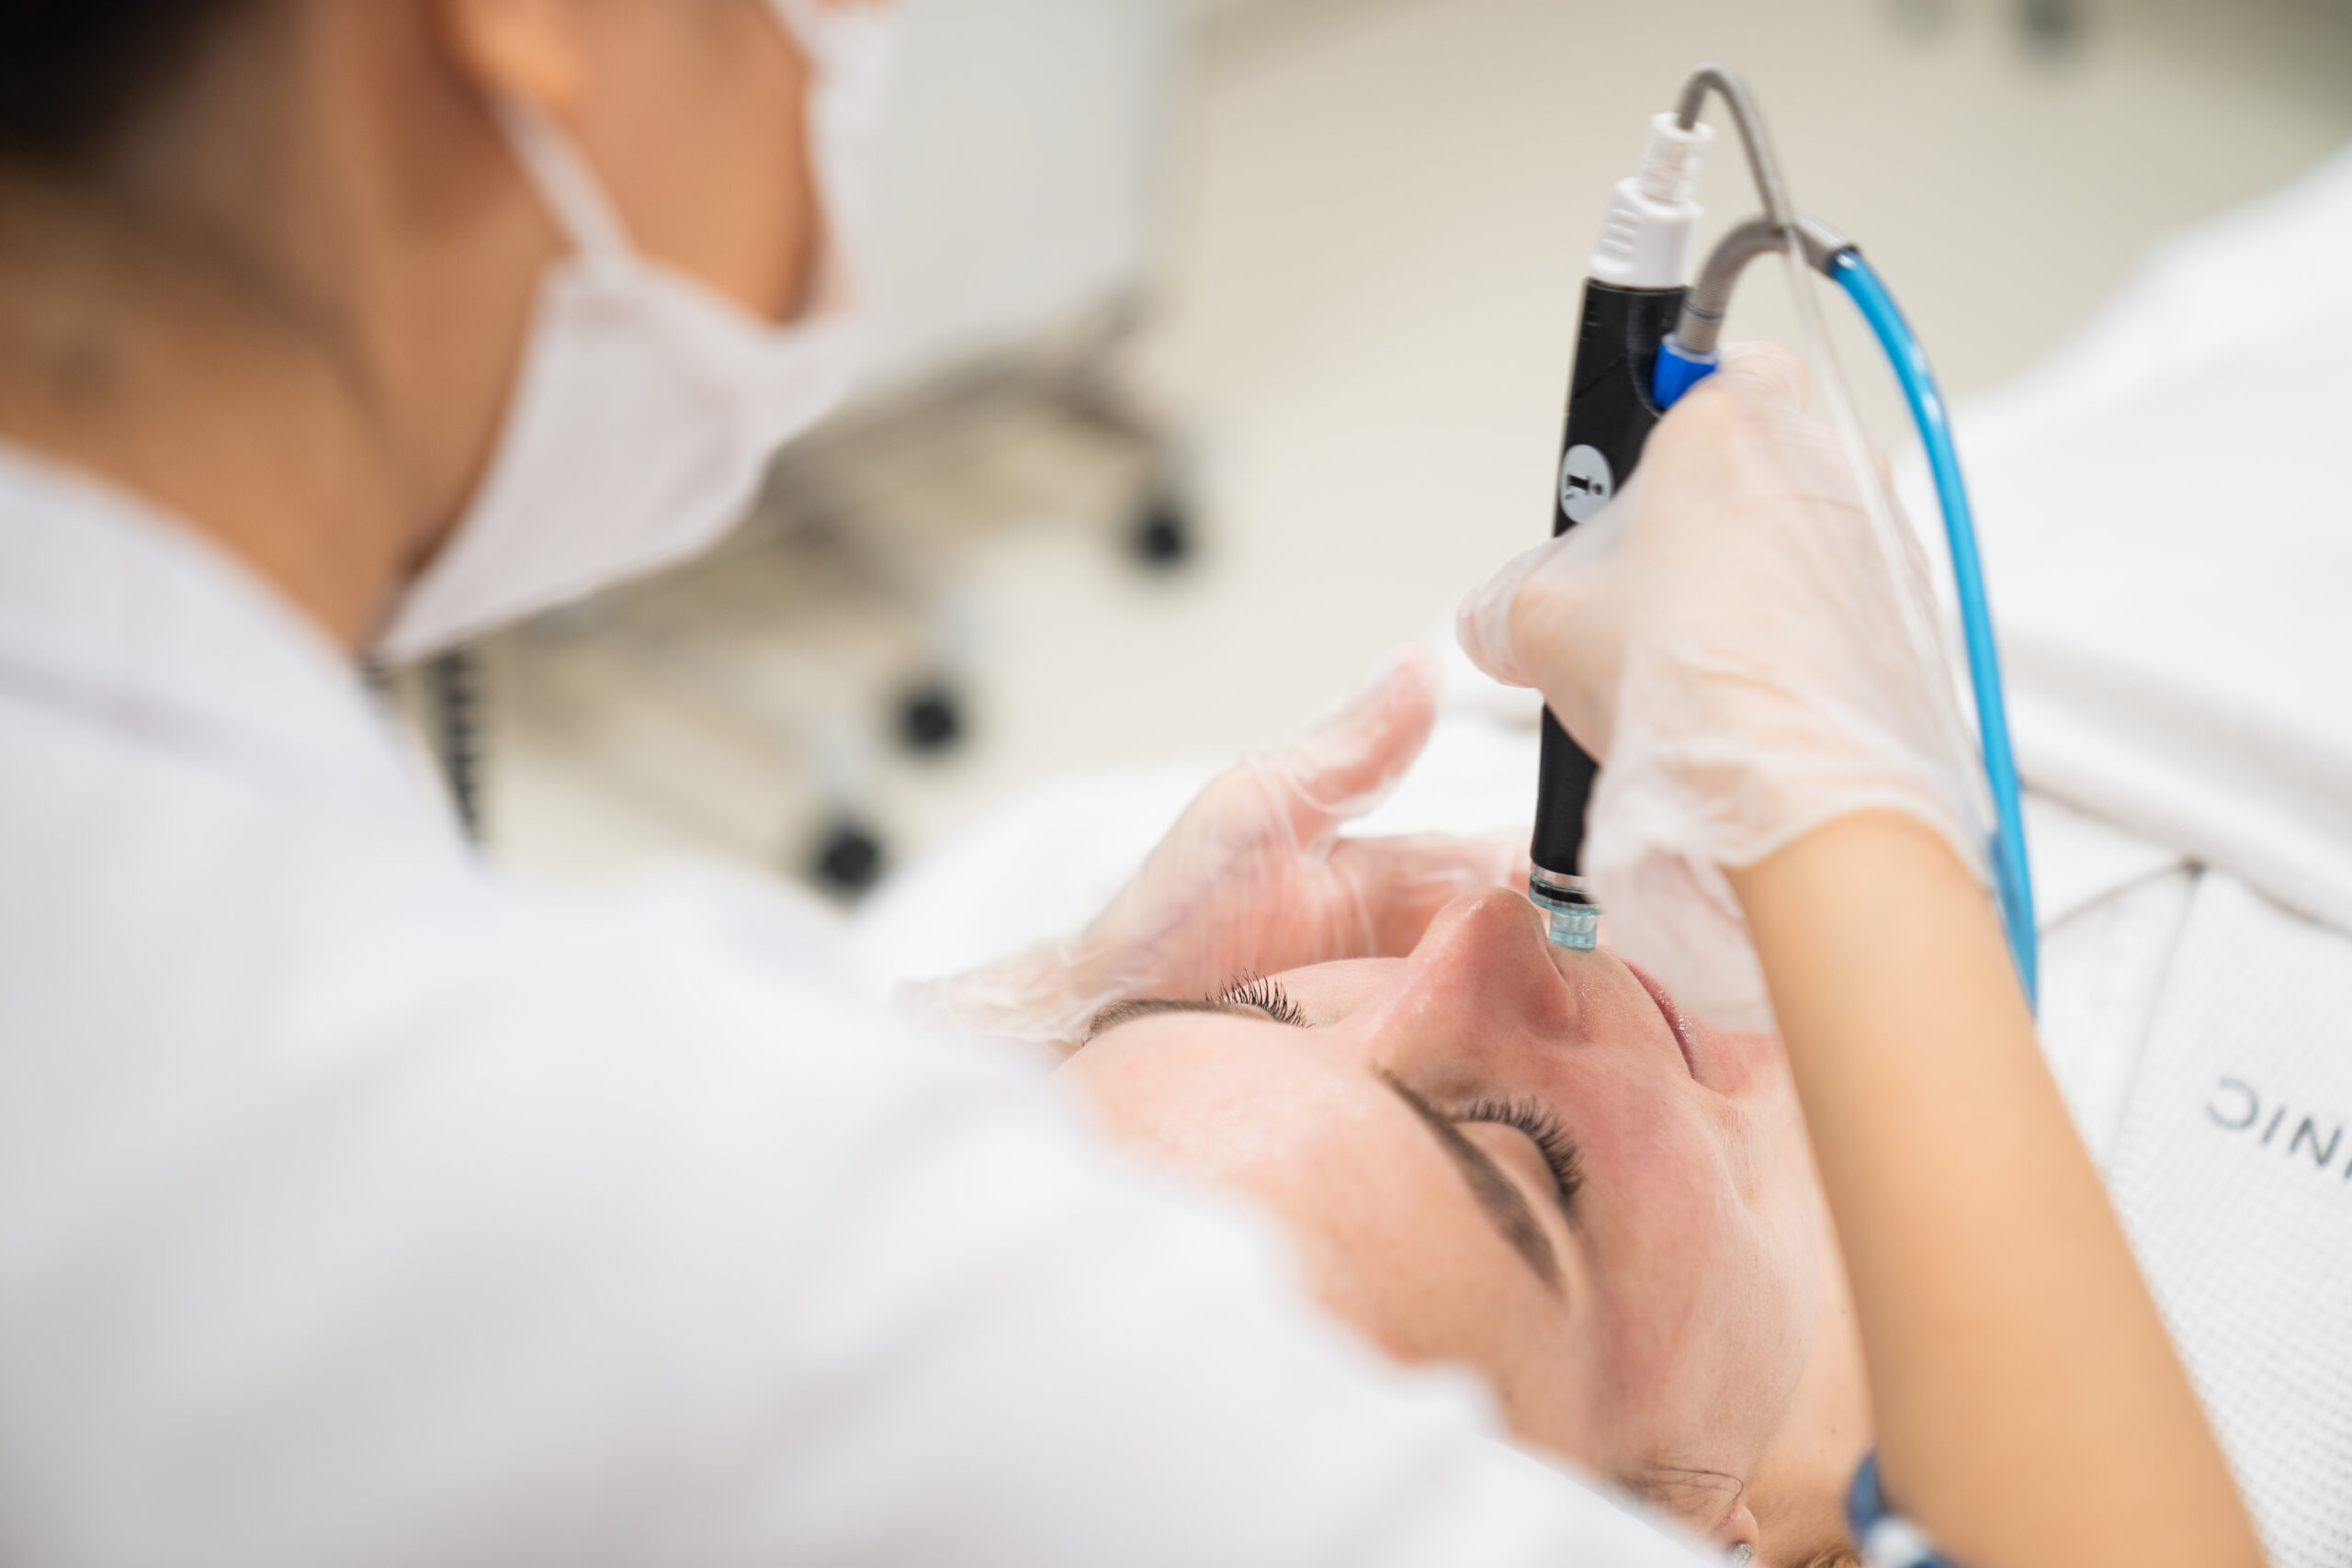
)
(648, 405)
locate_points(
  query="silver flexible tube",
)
(1761, 160)
(1702, 318)
(1781, 229)
(1702, 309)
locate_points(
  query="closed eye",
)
(1561, 1156)
(1268, 996)
(1251, 996)
(1495, 1192)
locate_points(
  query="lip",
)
(1669, 1010)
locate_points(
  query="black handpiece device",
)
(1610, 418)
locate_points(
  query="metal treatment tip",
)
(1571, 919)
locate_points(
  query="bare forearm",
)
(2030, 1409)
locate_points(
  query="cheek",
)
(1389, 1243)
(1470, 1307)
(1707, 1300)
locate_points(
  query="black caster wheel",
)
(848, 859)
(931, 719)
(2052, 29)
(1163, 537)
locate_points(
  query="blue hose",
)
(2011, 880)
(1676, 371)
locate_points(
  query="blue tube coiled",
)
(1677, 371)
(2011, 879)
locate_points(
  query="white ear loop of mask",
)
(574, 197)
(847, 51)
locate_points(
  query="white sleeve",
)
(1033, 1357)
(599, 1247)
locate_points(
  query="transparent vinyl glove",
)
(1733, 641)
(1253, 879)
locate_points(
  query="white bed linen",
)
(2168, 534)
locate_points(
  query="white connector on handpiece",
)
(1645, 243)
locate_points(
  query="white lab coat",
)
(357, 1208)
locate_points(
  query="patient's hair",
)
(74, 73)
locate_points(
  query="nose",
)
(1484, 971)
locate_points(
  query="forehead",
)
(1231, 1096)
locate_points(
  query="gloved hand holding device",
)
(1253, 879)
(1729, 638)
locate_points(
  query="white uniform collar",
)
(114, 613)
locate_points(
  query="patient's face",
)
(1498, 1154)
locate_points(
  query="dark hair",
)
(74, 72)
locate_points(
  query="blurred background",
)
(1224, 344)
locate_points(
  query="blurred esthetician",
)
(356, 1207)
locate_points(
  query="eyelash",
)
(1561, 1156)
(1256, 991)
(1560, 1152)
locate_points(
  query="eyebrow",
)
(1496, 1194)
(1134, 1008)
